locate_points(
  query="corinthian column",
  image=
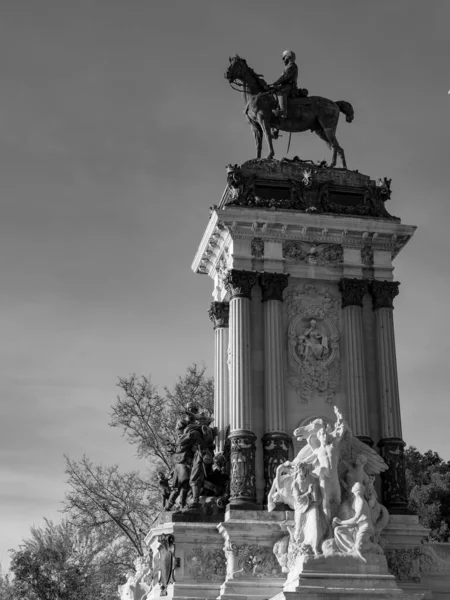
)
(219, 313)
(275, 439)
(353, 291)
(243, 489)
(391, 443)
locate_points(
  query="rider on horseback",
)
(286, 85)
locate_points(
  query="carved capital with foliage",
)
(239, 283)
(394, 479)
(383, 293)
(353, 291)
(242, 458)
(219, 313)
(272, 285)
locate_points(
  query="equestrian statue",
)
(282, 106)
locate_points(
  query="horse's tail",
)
(347, 109)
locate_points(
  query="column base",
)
(276, 452)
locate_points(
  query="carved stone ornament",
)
(206, 565)
(242, 458)
(251, 560)
(353, 291)
(219, 313)
(164, 562)
(394, 479)
(314, 254)
(272, 285)
(383, 293)
(313, 354)
(258, 247)
(367, 257)
(276, 452)
(239, 283)
(404, 563)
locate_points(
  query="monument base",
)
(343, 577)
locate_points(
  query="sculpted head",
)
(302, 471)
(313, 322)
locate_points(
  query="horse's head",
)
(235, 69)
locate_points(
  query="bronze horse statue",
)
(312, 113)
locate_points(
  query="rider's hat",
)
(289, 54)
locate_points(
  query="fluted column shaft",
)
(353, 291)
(391, 443)
(242, 438)
(275, 440)
(219, 315)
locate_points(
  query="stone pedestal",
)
(200, 563)
(252, 568)
(344, 577)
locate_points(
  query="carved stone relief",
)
(404, 563)
(313, 339)
(257, 247)
(251, 560)
(207, 565)
(314, 254)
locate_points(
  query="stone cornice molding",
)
(219, 313)
(272, 285)
(383, 293)
(353, 291)
(239, 283)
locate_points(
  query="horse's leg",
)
(331, 135)
(323, 136)
(257, 132)
(265, 126)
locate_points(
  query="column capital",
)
(353, 291)
(239, 283)
(272, 285)
(383, 293)
(219, 313)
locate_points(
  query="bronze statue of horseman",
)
(292, 113)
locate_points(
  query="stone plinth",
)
(343, 577)
(252, 568)
(199, 557)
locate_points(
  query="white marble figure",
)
(354, 536)
(136, 588)
(330, 485)
(311, 524)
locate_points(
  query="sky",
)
(116, 124)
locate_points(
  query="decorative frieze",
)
(367, 257)
(314, 254)
(272, 285)
(205, 565)
(239, 283)
(353, 291)
(383, 293)
(252, 561)
(394, 479)
(242, 458)
(219, 313)
(276, 452)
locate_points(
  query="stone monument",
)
(311, 499)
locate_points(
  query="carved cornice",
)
(272, 285)
(219, 313)
(383, 293)
(353, 291)
(239, 283)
